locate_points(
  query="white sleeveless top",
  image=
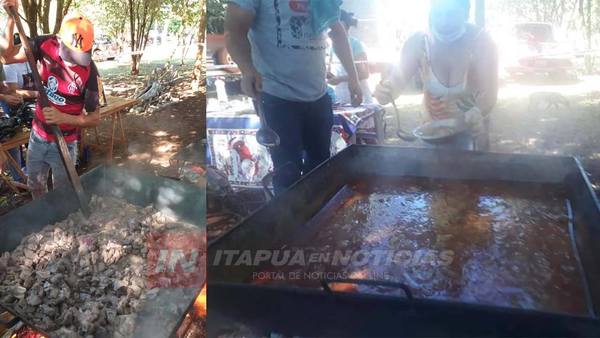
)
(460, 98)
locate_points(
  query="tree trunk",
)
(37, 14)
(44, 16)
(180, 42)
(135, 64)
(198, 82)
(30, 8)
(62, 8)
(186, 48)
(58, 16)
(585, 10)
(142, 15)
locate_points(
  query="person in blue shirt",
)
(337, 76)
(280, 48)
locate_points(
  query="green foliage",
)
(110, 16)
(175, 25)
(186, 12)
(215, 16)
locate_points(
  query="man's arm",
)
(12, 86)
(27, 94)
(361, 68)
(238, 22)
(8, 88)
(9, 51)
(7, 41)
(53, 116)
(341, 45)
(8, 95)
(12, 74)
(11, 99)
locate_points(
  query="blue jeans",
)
(305, 132)
(42, 156)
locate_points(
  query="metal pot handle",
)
(325, 284)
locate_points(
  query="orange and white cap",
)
(77, 35)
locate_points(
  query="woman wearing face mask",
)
(458, 66)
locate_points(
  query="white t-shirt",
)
(19, 73)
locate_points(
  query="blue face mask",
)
(442, 13)
(449, 37)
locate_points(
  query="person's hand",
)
(385, 92)
(436, 107)
(356, 96)
(252, 83)
(12, 99)
(474, 119)
(334, 80)
(10, 3)
(53, 115)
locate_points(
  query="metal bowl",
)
(440, 131)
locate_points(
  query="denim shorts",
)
(42, 156)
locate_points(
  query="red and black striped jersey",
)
(70, 89)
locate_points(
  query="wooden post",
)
(480, 13)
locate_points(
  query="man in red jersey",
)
(70, 79)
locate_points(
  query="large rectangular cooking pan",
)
(285, 219)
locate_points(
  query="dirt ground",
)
(534, 119)
(153, 137)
